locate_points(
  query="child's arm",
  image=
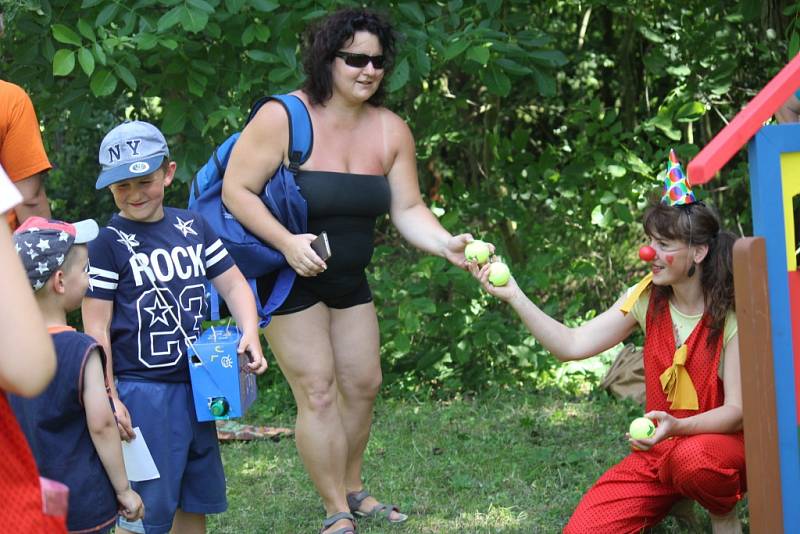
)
(233, 287)
(588, 339)
(97, 314)
(105, 436)
(27, 361)
(726, 419)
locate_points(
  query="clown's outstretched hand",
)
(507, 292)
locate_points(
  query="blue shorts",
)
(185, 452)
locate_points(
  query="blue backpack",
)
(281, 196)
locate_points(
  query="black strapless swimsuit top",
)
(346, 206)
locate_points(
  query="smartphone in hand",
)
(321, 246)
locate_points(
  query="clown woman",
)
(685, 306)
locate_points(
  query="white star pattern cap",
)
(43, 244)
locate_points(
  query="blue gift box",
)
(222, 386)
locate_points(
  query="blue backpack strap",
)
(301, 132)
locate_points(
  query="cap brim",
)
(124, 172)
(85, 231)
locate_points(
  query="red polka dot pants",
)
(640, 490)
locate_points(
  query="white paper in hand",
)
(139, 462)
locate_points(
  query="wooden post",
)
(758, 386)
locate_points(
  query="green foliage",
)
(558, 179)
(540, 126)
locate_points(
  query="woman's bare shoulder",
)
(394, 127)
(268, 128)
(389, 116)
(271, 115)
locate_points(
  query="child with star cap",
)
(70, 426)
(27, 366)
(685, 306)
(146, 302)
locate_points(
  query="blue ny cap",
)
(131, 150)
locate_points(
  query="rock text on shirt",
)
(163, 265)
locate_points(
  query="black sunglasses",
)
(360, 60)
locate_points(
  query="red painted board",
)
(745, 124)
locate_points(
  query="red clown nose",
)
(647, 253)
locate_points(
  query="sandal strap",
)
(383, 509)
(355, 498)
(330, 520)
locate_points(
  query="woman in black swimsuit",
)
(363, 165)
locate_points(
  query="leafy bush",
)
(540, 126)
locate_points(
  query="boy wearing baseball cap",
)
(70, 426)
(149, 267)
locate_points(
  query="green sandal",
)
(338, 517)
(355, 498)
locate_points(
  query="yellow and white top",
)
(684, 323)
(675, 380)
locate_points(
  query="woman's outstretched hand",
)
(454, 252)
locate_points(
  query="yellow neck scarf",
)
(675, 381)
(643, 284)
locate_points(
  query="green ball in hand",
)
(499, 274)
(642, 428)
(477, 251)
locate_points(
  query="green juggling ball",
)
(642, 428)
(499, 274)
(477, 251)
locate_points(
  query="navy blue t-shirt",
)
(55, 425)
(177, 254)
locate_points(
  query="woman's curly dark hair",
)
(328, 36)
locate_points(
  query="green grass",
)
(510, 462)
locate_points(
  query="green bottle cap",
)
(218, 406)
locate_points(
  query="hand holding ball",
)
(499, 274)
(642, 428)
(477, 251)
(647, 253)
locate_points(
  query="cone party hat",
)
(677, 191)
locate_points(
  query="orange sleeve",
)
(22, 153)
(21, 150)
